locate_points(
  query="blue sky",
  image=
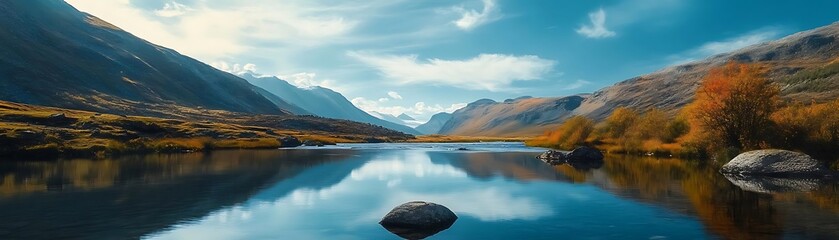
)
(423, 57)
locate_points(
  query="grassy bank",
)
(27, 130)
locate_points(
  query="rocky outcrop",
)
(585, 154)
(552, 157)
(418, 220)
(581, 158)
(289, 141)
(775, 163)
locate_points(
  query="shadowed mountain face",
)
(51, 54)
(319, 101)
(805, 65)
(434, 125)
(517, 117)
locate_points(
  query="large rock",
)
(418, 220)
(777, 163)
(289, 141)
(585, 154)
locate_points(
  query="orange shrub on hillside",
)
(733, 106)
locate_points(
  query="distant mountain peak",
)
(405, 117)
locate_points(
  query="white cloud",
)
(597, 29)
(745, 40)
(576, 84)
(492, 72)
(234, 68)
(470, 18)
(213, 29)
(394, 95)
(420, 109)
(725, 46)
(173, 9)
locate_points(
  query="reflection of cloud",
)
(419, 166)
(489, 204)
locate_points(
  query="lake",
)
(498, 191)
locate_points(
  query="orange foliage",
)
(570, 134)
(733, 106)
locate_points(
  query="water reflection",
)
(342, 194)
(134, 196)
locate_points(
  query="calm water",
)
(499, 191)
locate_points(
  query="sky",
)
(430, 56)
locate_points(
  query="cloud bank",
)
(493, 72)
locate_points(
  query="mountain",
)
(434, 125)
(515, 117)
(388, 117)
(405, 117)
(805, 65)
(53, 55)
(318, 101)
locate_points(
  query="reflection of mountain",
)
(131, 197)
(512, 165)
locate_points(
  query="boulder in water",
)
(585, 154)
(418, 220)
(775, 163)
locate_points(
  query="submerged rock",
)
(418, 220)
(775, 163)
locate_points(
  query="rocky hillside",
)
(805, 65)
(53, 55)
(513, 117)
(318, 101)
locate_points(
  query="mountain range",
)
(54, 55)
(805, 65)
(318, 101)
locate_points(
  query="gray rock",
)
(585, 154)
(419, 215)
(289, 141)
(552, 157)
(776, 163)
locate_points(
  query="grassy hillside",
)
(45, 131)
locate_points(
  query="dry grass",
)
(42, 131)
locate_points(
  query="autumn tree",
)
(620, 121)
(572, 133)
(734, 105)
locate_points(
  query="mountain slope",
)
(319, 101)
(789, 60)
(405, 117)
(514, 117)
(434, 125)
(805, 65)
(51, 54)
